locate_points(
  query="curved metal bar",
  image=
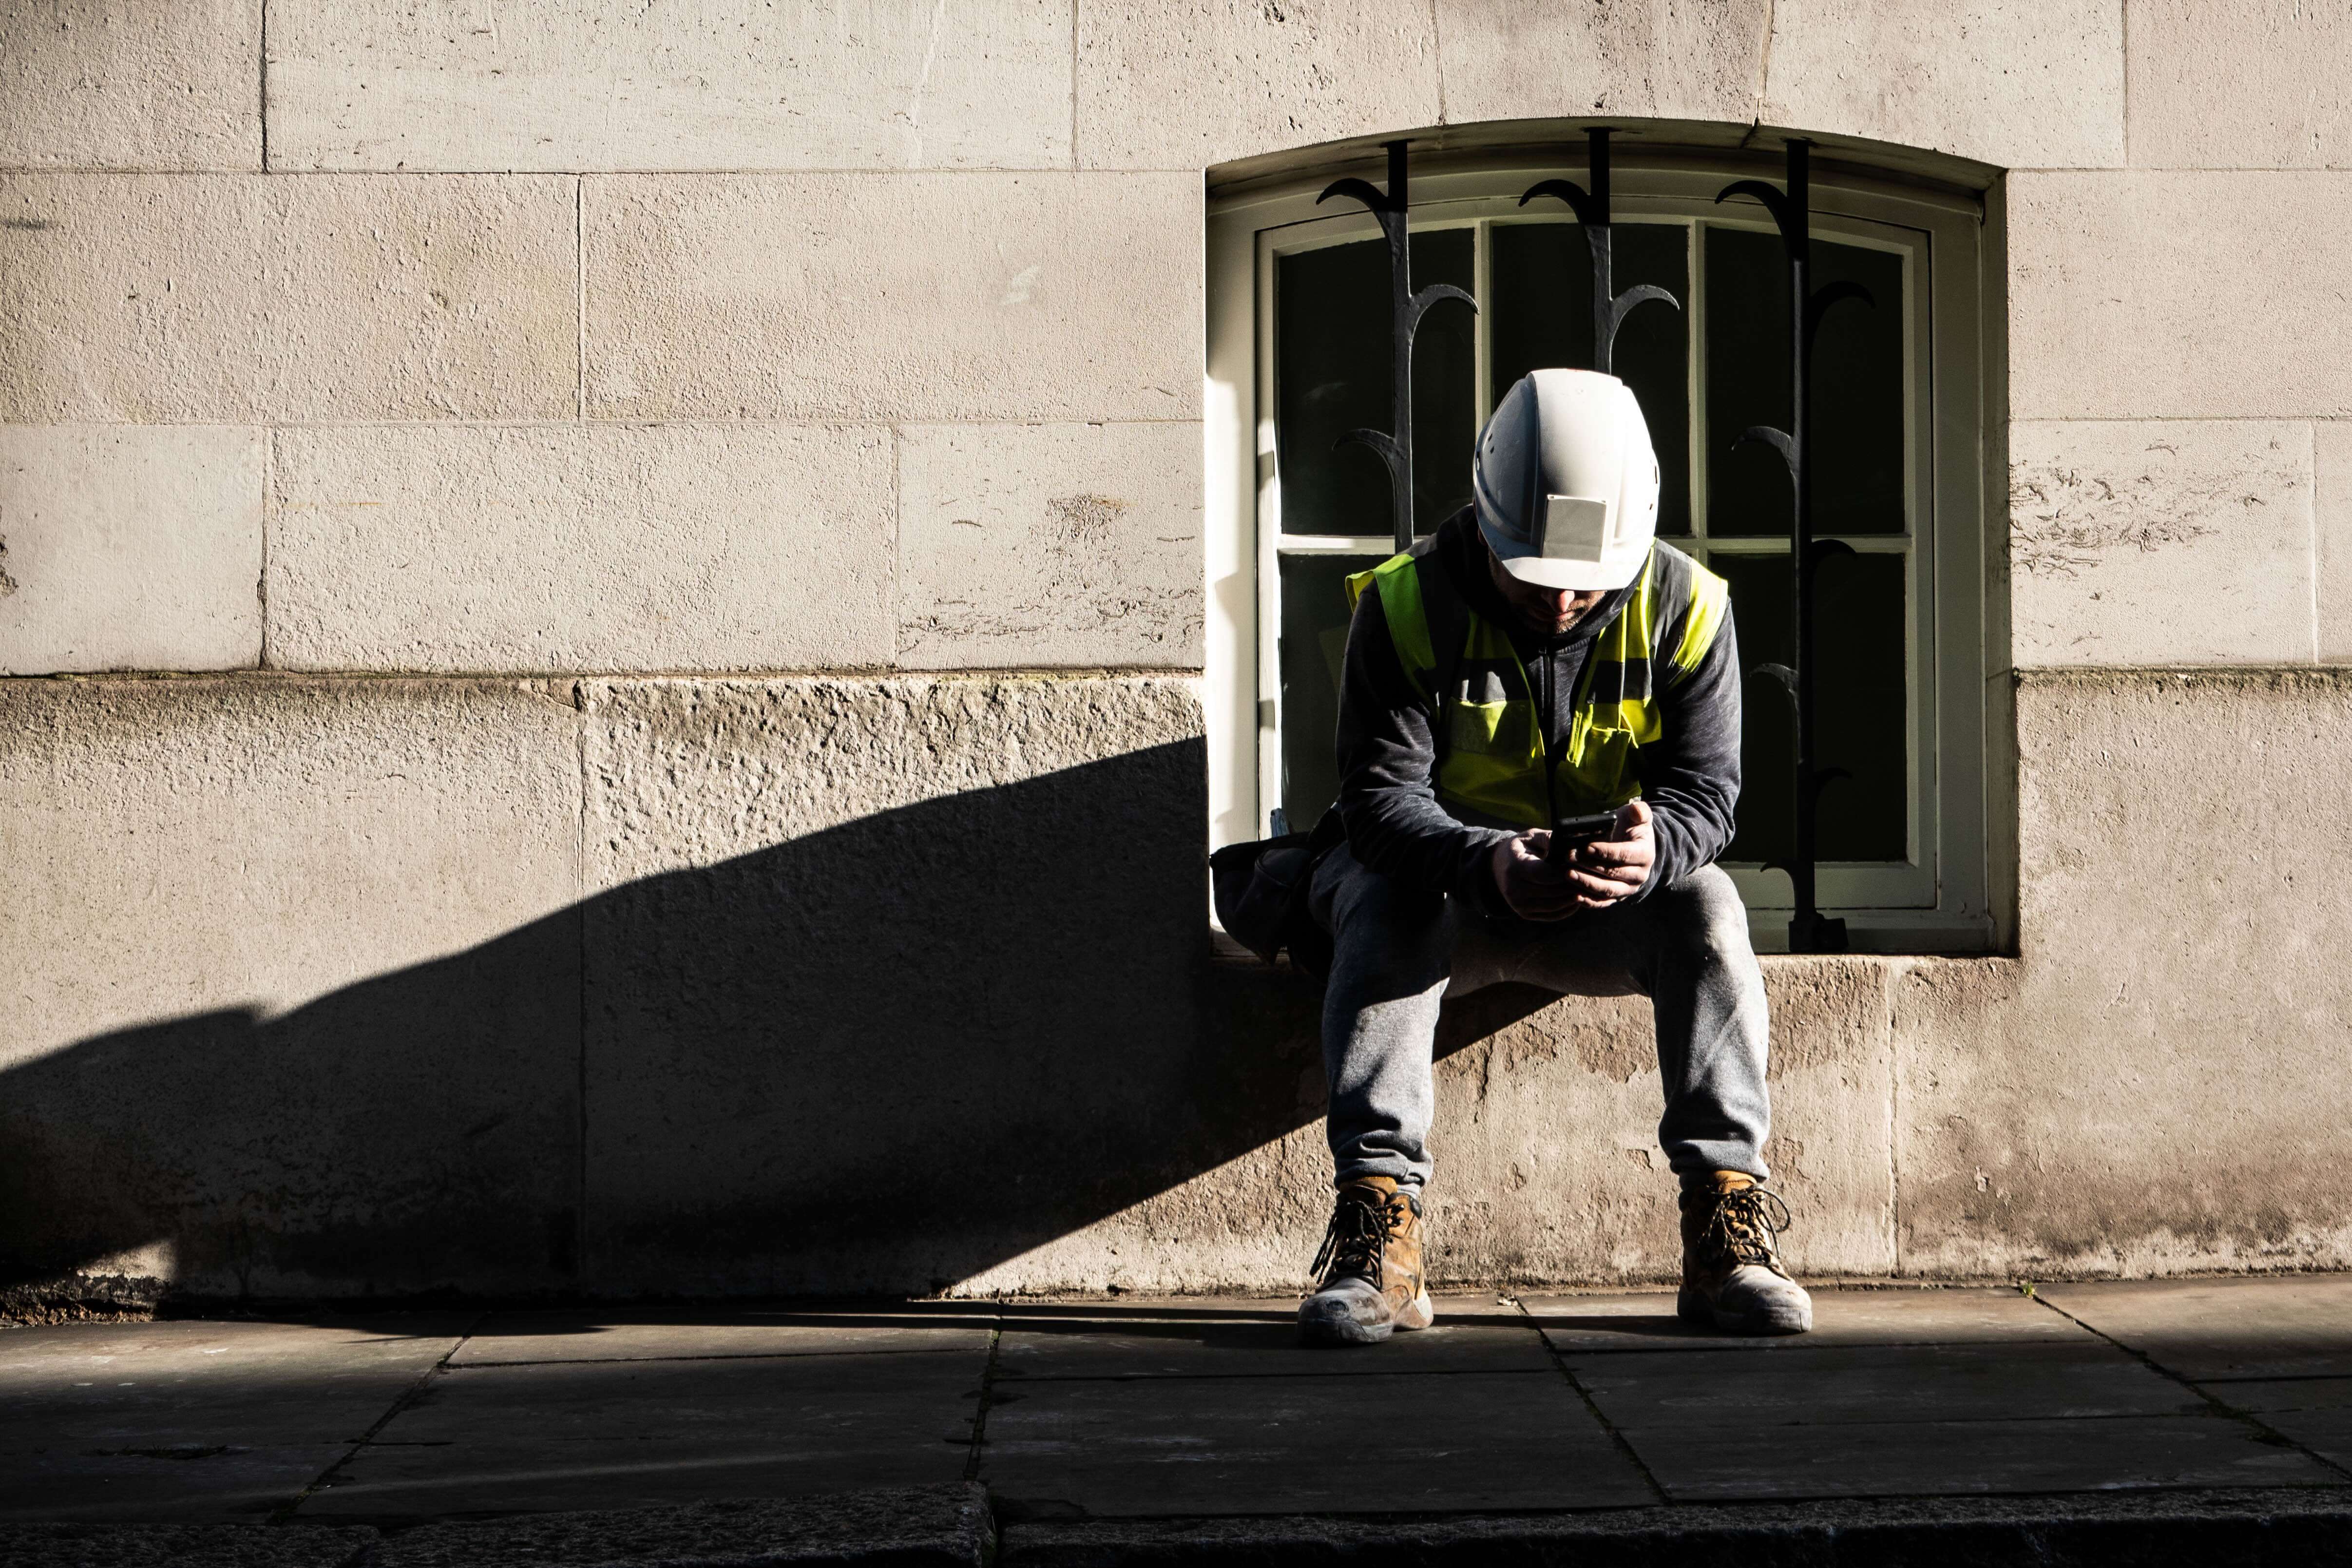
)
(1777, 204)
(1830, 294)
(1779, 440)
(1623, 306)
(1364, 191)
(1436, 293)
(1588, 211)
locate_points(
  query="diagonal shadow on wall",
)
(882, 1057)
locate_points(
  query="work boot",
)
(1368, 1276)
(1732, 1277)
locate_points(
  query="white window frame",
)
(1951, 895)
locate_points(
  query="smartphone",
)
(1571, 833)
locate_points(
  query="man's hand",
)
(1596, 875)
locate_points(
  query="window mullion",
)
(1695, 346)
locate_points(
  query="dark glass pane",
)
(1331, 375)
(1314, 642)
(1863, 719)
(1860, 398)
(1540, 313)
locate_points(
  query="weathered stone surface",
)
(2037, 85)
(2279, 66)
(1505, 61)
(1049, 544)
(1197, 1336)
(131, 84)
(904, 84)
(2178, 543)
(192, 869)
(2135, 1094)
(706, 1333)
(579, 547)
(946, 1525)
(129, 548)
(182, 1545)
(2331, 451)
(168, 298)
(1182, 86)
(821, 1056)
(2177, 294)
(989, 297)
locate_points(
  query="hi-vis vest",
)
(1490, 738)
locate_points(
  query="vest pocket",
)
(1599, 772)
(1491, 729)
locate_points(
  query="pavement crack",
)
(980, 1416)
(407, 1397)
(2263, 1432)
(1624, 1446)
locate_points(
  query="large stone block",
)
(2178, 295)
(1049, 544)
(112, 84)
(148, 298)
(2279, 67)
(2033, 86)
(2333, 552)
(2179, 542)
(579, 547)
(1183, 86)
(1507, 60)
(454, 297)
(2149, 1088)
(129, 548)
(915, 296)
(892, 980)
(293, 983)
(550, 85)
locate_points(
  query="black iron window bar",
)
(1809, 929)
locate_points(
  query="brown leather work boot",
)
(1368, 1274)
(1732, 1277)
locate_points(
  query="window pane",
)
(1862, 720)
(1331, 376)
(1859, 395)
(1540, 313)
(1314, 643)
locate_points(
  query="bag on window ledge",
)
(1260, 888)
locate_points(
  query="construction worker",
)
(1540, 657)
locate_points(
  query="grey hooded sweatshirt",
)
(1388, 749)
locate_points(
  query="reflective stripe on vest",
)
(1491, 741)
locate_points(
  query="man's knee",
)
(1704, 916)
(1377, 918)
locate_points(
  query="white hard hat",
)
(1566, 482)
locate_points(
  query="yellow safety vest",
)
(1490, 740)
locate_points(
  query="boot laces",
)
(1357, 1240)
(1746, 1225)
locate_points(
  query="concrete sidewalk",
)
(1082, 1417)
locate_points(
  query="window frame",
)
(1947, 898)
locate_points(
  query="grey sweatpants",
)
(1399, 953)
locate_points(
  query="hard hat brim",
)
(1607, 574)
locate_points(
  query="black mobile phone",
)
(1570, 832)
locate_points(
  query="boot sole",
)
(1418, 1314)
(1694, 1307)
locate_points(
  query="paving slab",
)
(904, 1527)
(2206, 1329)
(189, 1385)
(1730, 1391)
(1646, 1322)
(627, 1433)
(510, 1337)
(1705, 1463)
(1300, 1445)
(1245, 1336)
(91, 1482)
(2316, 1412)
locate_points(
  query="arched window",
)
(1903, 473)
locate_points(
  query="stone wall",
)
(599, 610)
